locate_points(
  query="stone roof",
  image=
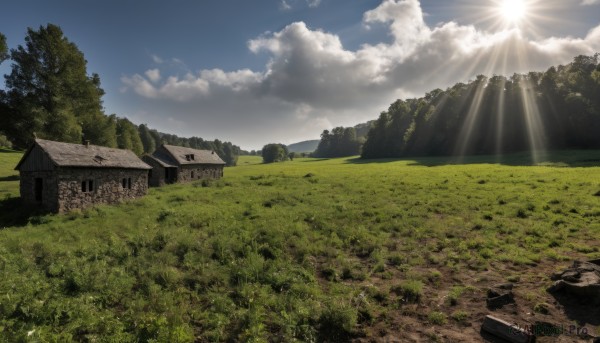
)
(163, 160)
(79, 155)
(180, 155)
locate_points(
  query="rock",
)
(581, 280)
(499, 296)
(500, 301)
(506, 330)
(506, 286)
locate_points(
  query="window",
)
(192, 157)
(87, 186)
(188, 157)
(192, 174)
(124, 183)
(129, 183)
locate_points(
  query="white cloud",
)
(157, 59)
(313, 3)
(285, 6)
(590, 2)
(311, 81)
(153, 75)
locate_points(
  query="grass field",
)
(309, 250)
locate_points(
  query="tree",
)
(3, 48)
(557, 109)
(338, 143)
(229, 154)
(49, 93)
(127, 135)
(147, 139)
(274, 153)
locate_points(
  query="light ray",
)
(535, 126)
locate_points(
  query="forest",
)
(49, 94)
(552, 110)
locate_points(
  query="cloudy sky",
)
(255, 72)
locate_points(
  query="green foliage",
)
(4, 142)
(274, 153)
(411, 291)
(494, 115)
(460, 316)
(147, 139)
(127, 135)
(49, 94)
(3, 48)
(437, 318)
(48, 89)
(337, 322)
(340, 142)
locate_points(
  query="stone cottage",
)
(172, 164)
(61, 176)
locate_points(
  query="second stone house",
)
(171, 164)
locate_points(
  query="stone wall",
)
(188, 173)
(157, 175)
(49, 189)
(107, 186)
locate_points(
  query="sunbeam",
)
(535, 127)
(472, 116)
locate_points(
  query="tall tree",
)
(3, 48)
(147, 139)
(274, 153)
(127, 135)
(50, 93)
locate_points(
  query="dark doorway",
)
(170, 175)
(39, 189)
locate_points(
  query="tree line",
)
(50, 95)
(555, 109)
(339, 142)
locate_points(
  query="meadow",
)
(308, 250)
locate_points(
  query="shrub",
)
(460, 316)
(437, 318)
(337, 322)
(454, 294)
(411, 291)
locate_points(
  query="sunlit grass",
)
(313, 249)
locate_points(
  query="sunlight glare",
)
(513, 11)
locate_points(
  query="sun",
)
(513, 11)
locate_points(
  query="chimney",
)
(86, 143)
(213, 152)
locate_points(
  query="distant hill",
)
(304, 146)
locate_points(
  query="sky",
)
(282, 71)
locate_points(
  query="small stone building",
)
(171, 164)
(60, 177)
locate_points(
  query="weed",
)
(460, 316)
(437, 318)
(411, 291)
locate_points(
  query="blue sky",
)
(255, 72)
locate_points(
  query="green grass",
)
(305, 250)
(9, 178)
(437, 318)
